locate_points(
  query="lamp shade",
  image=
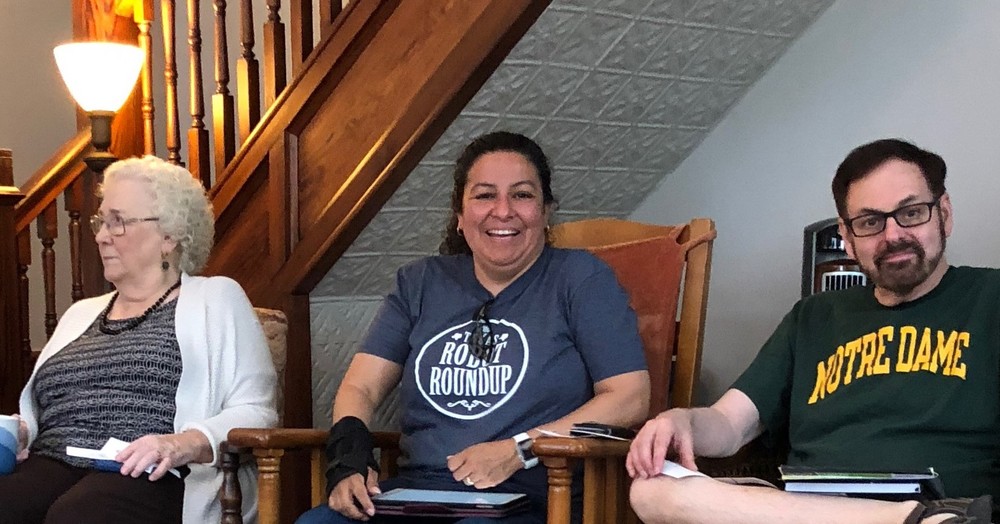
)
(99, 75)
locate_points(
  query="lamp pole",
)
(100, 136)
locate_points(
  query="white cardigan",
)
(227, 380)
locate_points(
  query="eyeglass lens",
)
(116, 226)
(906, 216)
(482, 342)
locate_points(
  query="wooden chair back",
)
(663, 269)
(274, 323)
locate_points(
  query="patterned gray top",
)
(101, 386)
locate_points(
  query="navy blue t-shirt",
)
(559, 328)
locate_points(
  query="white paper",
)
(108, 451)
(675, 470)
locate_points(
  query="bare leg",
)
(696, 500)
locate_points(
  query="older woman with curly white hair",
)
(167, 363)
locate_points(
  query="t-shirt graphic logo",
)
(460, 385)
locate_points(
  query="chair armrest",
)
(276, 438)
(605, 486)
(583, 448)
(268, 446)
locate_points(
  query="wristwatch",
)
(523, 445)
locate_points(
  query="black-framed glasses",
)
(115, 223)
(910, 215)
(482, 344)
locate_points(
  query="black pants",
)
(45, 491)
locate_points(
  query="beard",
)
(901, 278)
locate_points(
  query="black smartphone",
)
(596, 429)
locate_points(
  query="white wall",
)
(923, 70)
(36, 111)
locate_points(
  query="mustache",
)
(899, 246)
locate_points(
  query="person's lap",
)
(45, 490)
(325, 515)
(322, 514)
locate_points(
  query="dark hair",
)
(497, 141)
(865, 159)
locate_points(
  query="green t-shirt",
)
(862, 386)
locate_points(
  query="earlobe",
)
(944, 206)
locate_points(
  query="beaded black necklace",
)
(132, 323)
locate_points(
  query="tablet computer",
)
(440, 503)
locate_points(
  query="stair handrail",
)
(52, 178)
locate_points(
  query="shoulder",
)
(435, 266)
(969, 274)
(213, 289)
(577, 264)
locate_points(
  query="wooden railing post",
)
(168, 22)
(247, 74)
(274, 54)
(11, 376)
(198, 160)
(223, 124)
(300, 12)
(143, 16)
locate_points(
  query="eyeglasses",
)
(907, 216)
(482, 342)
(116, 224)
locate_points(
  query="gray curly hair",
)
(179, 201)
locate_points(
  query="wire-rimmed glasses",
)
(115, 223)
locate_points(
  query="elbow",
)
(638, 398)
(641, 411)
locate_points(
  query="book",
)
(104, 458)
(924, 485)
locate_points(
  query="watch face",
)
(525, 447)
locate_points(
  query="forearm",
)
(353, 402)
(199, 448)
(720, 431)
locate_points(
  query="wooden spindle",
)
(23, 263)
(274, 54)
(144, 19)
(167, 8)
(300, 12)
(269, 482)
(198, 160)
(231, 493)
(223, 123)
(247, 74)
(74, 207)
(328, 12)
(48, 231)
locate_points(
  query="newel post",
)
(11, 369)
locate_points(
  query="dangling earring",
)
(165, 264)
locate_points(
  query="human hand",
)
(667, 433)
(485, 465)
(22, 438)
(351, 492)
(164, 451)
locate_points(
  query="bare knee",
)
(656, 499)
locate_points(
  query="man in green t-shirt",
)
(900, 375)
